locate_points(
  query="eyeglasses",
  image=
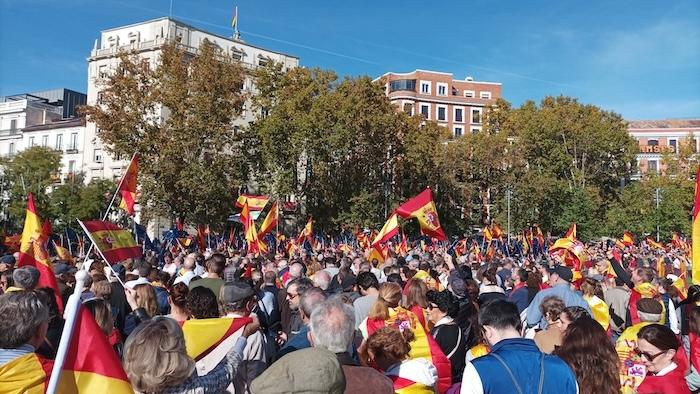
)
(292, 296)
(432, 306)
(647, 356)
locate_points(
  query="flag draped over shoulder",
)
(422, 207)
(92, 365)
(270, 221)
(115, 243)
(32, 250)
(203, 336)
(255, 203)
(127, 187)
(696, 231)
(29, 374)
(390, 229)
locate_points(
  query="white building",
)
(147, 39)
(66, 136)
(16, 113)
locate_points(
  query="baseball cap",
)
(236, 291)
(563, 272)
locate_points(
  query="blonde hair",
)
(146, 298)
(389, 297)
(155, 356)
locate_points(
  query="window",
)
(476, 129)
(263, 61)
(133, 38)
(13, 124)
(11, 149)
(653, 142)
(485, 95)
(476, 115)
(236, 54)
(459, 115)
(402, 84)
(425, 111)
(97, 156)
(31, 142)
(99, 97)
(442, 113)
(653, 165)
(458, 131)
(73, 141)
(469, 93)
(425, 87)
(71, 166)
(102, 72)
(441, 89)
(673, 145)
(59, 141)
(408, 108)
(45, 141)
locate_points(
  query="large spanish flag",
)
(255, 203)
(202, 336)
(390, 229)
(32, 250)
(29, 373)
(115, 243)
(423, 346)
(270, 221)
(695, 246)
(92, 365)
(127, 187)
(422, 207)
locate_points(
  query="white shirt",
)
(140, 281)
(669, 368)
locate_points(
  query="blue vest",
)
(523, 357)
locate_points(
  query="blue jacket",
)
(519, 298)
(487, 375)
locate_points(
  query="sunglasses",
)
(647, 356)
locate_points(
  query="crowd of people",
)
(330, 321)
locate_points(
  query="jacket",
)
(313, 370)
(487, 375)
(363, 380)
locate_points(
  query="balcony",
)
(10, 132)
(402, 84)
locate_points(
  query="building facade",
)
(147, 40)
(458, 105)
(66, 136)
(657, 137)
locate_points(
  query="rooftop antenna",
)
(234, 25)
(171, 9)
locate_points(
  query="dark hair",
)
(660, 336)
(490, 274)
(574, 313)
(391, 343)
(144, 270)
(590, 354)
(522, 274)
(178, 294)
(500, 314)
(202, 303)
(694, 320)
(365, 280)
(302, 284)
(445, 301)
(28, 313)
(216, 263)
(395, 278)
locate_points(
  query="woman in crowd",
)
(102, 312)
(178, 302)
(569, 315)
(593, 294)
(665, 360)
(155, 360)
(202, 303)
(693, 378)
(388, 350)
(490, 290)
(415, 300)
(142, 300)
(442, 308)
(592, 357)
(549, 338)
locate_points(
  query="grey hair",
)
(310, 299)
(322, 279)
(333, 325)
(26, 277)
(296, 270)
(23, 313)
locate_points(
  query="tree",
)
(191, 160)
(33, 170)
(76, 200)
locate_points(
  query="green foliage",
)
(75, 200)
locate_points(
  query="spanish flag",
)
(390, 229)
(661, 267)
(423, 346)
(573, 254)
(628, 239)
(204, 335)
(63, 253)
(115, 243)
(92, 365)
(654, 244)
(307, 233)
(695, 260)
(32, 250)
(127, 187)
(422, 207)
(496, 231)
(29, 373)
(571, 234)
(487, 234)
(378, 252)
(270, 221)
(13, 242)
(255, 203)
(251, 234)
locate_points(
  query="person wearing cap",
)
(560, 281)
(238, 300)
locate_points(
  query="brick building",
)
(456, 104)
(656, 137)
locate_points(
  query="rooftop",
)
(57, 124)
(664, 124)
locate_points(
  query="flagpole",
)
(70, 248)
(101, 255)
(70, 314)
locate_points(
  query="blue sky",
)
(639, 58)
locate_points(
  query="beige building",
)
(656, 137)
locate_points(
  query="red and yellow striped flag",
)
(307, 233)
(487, 234)
(251, 234)
(390, 229)
(63, 253)
(695, 261)
(571, 234)
(255, 203)
(32, 250)
(127, 187)
(115, 243)
(270, 221)
(92, 365)
(628, 239)
(654, 244)
(29, 373)
(202, 336)
(422, 207)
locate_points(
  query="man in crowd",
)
(367, 285)
(144, 271)
(560, 281)
(215, 267)
(310, 299)
(292, 324)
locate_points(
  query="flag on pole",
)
(234, 19)
(628, 239)
(390, 229)
(496, 231)
(92, 365)
(307, 233)
(251, 234)
(422, 207)
(654, 244)
(63, 253)
(695, 245)
(115, 243)
(32, 250)
(270, 221)
(571, 234)
(255, 203)
(127, 187)
(487, 234)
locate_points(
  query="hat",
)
(563, 272)
(63, 268)
(236, 291)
